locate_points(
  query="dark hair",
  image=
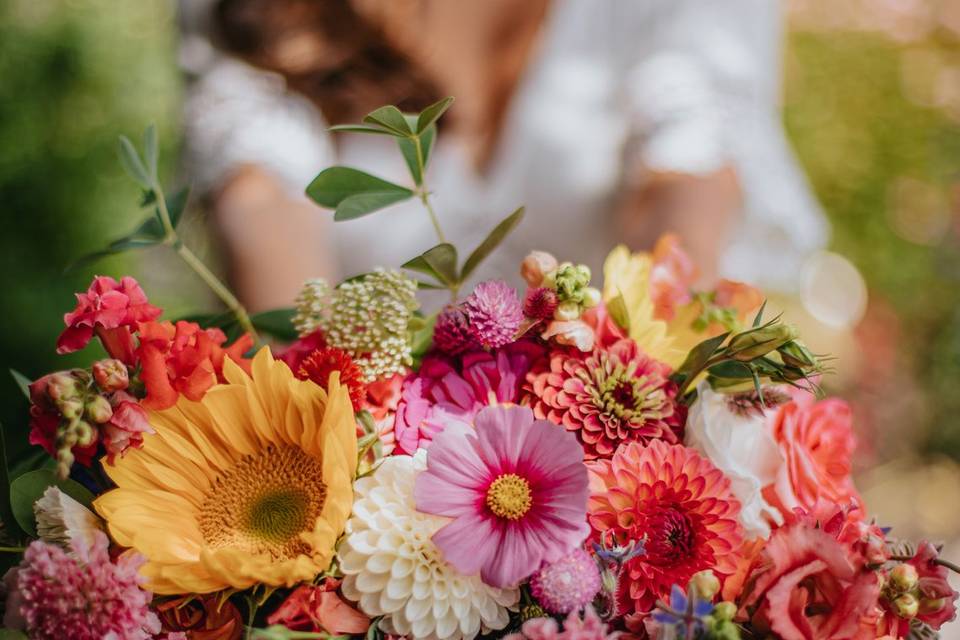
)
(327, 51)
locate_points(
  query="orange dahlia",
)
(678, 504)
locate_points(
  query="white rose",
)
(740, 445)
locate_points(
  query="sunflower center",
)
(264, 502)
(509, 496)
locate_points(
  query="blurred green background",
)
(872, 105)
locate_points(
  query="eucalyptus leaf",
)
(491, 242)
(360, 128)
(150, 152)
(364, 203)
(390, 118)
(131, 162)
(276, 322)
(432, 113)
(334, 186)
(25, 490)
(23, 382)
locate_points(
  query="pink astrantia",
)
(83, 596)
(516, 489)
(448, 391)
(109, 309)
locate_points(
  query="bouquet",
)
(584, 458)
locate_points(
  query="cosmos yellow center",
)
(509, 496)
(264, 502)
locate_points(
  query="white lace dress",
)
(684, 85)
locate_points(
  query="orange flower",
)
(319, 608)
(184, 358)
(671, 276)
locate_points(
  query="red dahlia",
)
(318, 366)
(613, 395)
(678, 504)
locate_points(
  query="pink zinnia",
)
(109, 309)
(495, 313)
(516, 489)
(445, 391)
(82, 597)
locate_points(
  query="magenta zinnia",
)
(613, 395)
(516, 488)
(678, 503)
(82, 596)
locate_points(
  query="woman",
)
(609, 120)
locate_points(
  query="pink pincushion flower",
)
(447, 391)
(83, 596)
(495, 313)
(608, 397)
(569, 584)
(590, 627)
(110, 309)
(516, 489)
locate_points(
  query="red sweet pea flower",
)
(183, 358)
(319, 608)
(109, 309)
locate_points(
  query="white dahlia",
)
(394, 570)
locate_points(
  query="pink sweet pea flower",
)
(108, 309)
(516, 489)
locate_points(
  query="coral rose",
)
(817, 442)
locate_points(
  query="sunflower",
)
(252, 484)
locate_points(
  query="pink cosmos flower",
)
(442, 392)
(83, 596)
(109, 309)
(516, 489)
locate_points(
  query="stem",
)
(940, 561)
(424, 192)
(12, 549)
(208, 277)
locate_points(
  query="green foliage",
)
(26, 489)
(491, 242)
(353, 193)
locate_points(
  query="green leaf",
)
(276, 322)
(432, 113)
(11, 634)
(617, 308)
(428, 286)
(362, 204)
(409, 150)
(759, 317)
(491, 242)
(150, 152)
(700, 354)
(131, 162)
(359, 128)
(28, 488)
(6, 513)
(22, 381)
(732, 370)
(421, 339)
(353, 193)
(439, 262)
(389, 117)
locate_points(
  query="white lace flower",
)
(61, 519)
(737, 441)
(394, 570)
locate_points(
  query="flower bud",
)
(535, 266)
(906, 606)
(725, 610)
(591, 297)
(531, 611)
(111, 375)
(70, 409)
(567, 311)
(759, 342)
(85, 433)
(62, 386)
(796, 354)
(98, 410)
(904, 577)
(706, 584)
